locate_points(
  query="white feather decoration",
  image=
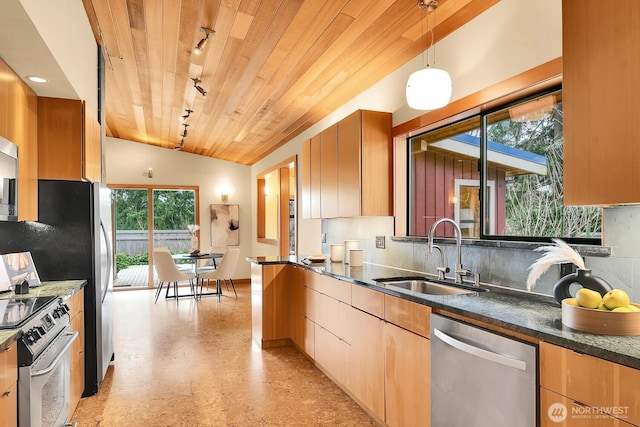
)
(553, 255)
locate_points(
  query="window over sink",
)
(499, 175)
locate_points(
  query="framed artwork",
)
(225, 225)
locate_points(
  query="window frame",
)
(483, 166)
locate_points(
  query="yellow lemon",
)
(602, 307)
(570, 301)
(616, 298)
(588, 298)
(633, 307)
(622, 309)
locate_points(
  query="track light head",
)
(186, 116)
(184, 132)
(200, 46)
(181, 146)
(196, 84)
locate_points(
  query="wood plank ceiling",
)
(272, 69)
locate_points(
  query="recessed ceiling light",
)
(37, 79)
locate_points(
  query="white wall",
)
(511, 37)
(126, 162)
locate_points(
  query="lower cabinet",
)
(592, 391)
(76, 305)
(406, 371)
(9, 386)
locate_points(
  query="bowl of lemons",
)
(610, 314)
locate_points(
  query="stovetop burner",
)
(14, 312)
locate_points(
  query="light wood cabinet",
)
(270, 305)
(596, 384)
(364, 164)
(76, 307)
(346, 169)
(329, 172)
(407, 384)
(600, 102)
(68, 141)
(9, 386)
(19, 124)
(561, 411)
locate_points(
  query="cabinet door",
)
(349, 165)
(600, 102)
(366, 376)
(77, 364)
(407, 386)
(376, 168)
(9, 407)
(305, 179)
(315, 176)
(591, 381)
(92, 150)
(559, 411)
(329, 173)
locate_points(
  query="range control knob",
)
(28, 336)
(35, 334)
(56, 313)
(41, 330)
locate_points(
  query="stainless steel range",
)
(43, 358)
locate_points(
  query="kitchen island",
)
(326, 310)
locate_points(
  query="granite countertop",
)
(535, 315)
(63, 288)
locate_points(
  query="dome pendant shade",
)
(428, 89)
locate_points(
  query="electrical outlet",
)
(380, 242)
(324, 237)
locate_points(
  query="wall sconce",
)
(196, 84)
(224, 197)
(148, 173)
(186, 116)
(200, 46)
(184, 132)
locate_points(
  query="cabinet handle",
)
(6, 393)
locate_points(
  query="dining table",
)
(194, 258)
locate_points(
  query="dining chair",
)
(167, 272)
(226, 269)
(210, 263)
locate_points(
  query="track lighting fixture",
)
(181, 146)
(196, 84)
(184, 132)
(200, 46)
(186, 116)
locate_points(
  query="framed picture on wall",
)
(225, 225)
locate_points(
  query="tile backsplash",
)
(498, 265)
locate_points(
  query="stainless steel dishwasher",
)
(479, 378)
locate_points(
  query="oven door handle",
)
(45, 371)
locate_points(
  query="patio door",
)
(148, 217)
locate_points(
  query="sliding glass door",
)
(147, 218)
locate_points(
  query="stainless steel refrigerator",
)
(77, 233)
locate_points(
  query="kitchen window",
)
(499, 175)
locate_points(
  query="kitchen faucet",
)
(460, 271)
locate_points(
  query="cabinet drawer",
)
(9, 407)
(408, 315)
(590, 381)
(335, 288)
(560, 411)
(368, 300)
(8, 367)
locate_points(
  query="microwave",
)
(8, 180)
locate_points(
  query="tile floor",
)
(195, 364)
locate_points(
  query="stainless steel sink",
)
(425, 286)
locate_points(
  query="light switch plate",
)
(380, 242)
(324, 237)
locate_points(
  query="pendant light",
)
(428, 88)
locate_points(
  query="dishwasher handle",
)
(479, 352)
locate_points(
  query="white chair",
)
(168, 272)
(226, 269)
(210, 264)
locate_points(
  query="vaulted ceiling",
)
(272, 69)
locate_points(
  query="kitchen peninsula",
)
(321, 308)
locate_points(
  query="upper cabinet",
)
(346, 169)
(19, 124)
(601, 106)
(68, 141)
